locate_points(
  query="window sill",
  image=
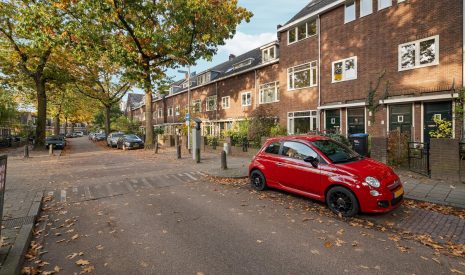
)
(301, 39)
(297, 89)
(261, 103)
(334, 82)
(418, 67)
(379, 9)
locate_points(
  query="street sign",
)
(3, 159)
(188, 117)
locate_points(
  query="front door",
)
(294, 172)
(441, 110)
(400, 116)
(356, 121)
(333, 120)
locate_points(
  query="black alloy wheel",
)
(257, 180)
(342, 201)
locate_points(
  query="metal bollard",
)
(178, 146)
(197, 155)
(26, 151)
(156, 147)
(224, 164)
(50, 150)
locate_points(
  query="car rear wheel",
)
(257, 180)
(342, 201)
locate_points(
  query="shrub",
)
(238, 132)
(212, 140)
(277, 130)
(443, 129)
(262, 120)
(337, 137)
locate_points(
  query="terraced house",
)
(360, 66)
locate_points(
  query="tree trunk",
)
(148, 108)
(41, 112)
(72, 127)
(56, 128)
(66, 126)
(107, 120)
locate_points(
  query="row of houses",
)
(363, 66)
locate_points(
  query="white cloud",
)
(242, 42)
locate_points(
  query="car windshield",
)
(117, 135)
(53, 138)
(336, 152)
(131, 137)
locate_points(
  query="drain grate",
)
(18, 222)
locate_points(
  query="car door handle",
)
(279, 164)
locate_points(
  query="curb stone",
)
(15, 258)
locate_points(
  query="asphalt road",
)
(132, 213)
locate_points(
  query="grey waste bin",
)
(359, 143)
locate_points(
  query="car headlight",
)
(373, 182)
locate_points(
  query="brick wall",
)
(379, 148)
(444, 158)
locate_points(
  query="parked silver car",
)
(112, 138)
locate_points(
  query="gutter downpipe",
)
(319, 73)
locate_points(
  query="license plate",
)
(399, 192)
(136, 145)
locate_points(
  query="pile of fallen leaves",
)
(228, 181)
(443, 209)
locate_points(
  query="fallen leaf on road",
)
(87, 269)
(60, 241)
(75, 237)
(328, 244)
(364, 267)
(339, 242)
(340, 232)
(99, 247)
(57, 269)
(453, 270)
(144, 264)
(199, 273)
(424, 258)
(82, 262)
(314, 251)
(259, 241)
(47, 272)
(436, 260)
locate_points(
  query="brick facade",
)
(445, 159)
(374, 39)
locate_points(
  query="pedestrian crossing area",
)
(109, 189)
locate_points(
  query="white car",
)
(79, 133)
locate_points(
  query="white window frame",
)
(276, 92)
(160, 113)
(226, 99)
(312, 65)
(204, 78)
(243, 63)
(266, 56)
(170, 111)
(295, 29)
(417, 54)
(345, 11)
(382, 8)
(196, 102)
(210, 98)
(361, 7)
(177, 110)
(246, 94)
(343, 71)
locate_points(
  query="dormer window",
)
(269, 54)
(204, 78)
(241, 64)
(301, 31)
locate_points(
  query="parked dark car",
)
(57, 142)
(112, 138)
(323, 169)
(128, 142)
(99, 137)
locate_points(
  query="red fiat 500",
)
(323, 169)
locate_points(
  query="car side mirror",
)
(312, 160)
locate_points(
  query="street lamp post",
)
(188, 105)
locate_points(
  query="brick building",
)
(367, 66)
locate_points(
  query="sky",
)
(260, 30)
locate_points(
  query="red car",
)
(321, 168)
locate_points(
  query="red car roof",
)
(308, 138)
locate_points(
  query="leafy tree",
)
(99, 117)
(150, 36)
(30, 33)
(8, 107)
(124, 124)
(263, 119)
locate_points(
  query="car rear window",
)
(273, 148)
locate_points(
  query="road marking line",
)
(200, 173)
(75, 189)
(166, 176)
(177, 178)
(129, 186)
(146, 182)
(63, 196)
(189, 175)
(87, 192)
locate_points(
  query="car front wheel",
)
(258, 180)
(342, 201)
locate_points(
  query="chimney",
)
(231, 57)
(279, 26)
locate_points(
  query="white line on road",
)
(189, 175)
(87, 192)
(146, 182)
(129, 186)
(75, 190)
(63, 196)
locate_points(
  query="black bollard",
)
(178, 146)
(197, 155)
(224, 164)
(26, 151)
